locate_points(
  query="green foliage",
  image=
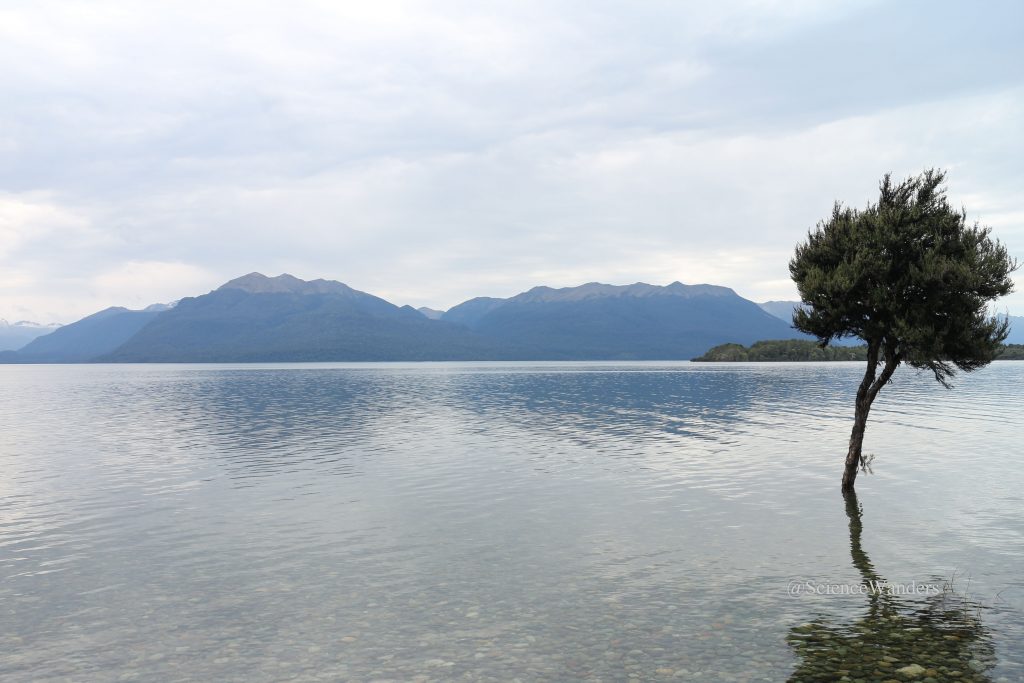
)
(786, 350)
(909, 276)
(725, 352)
(1011, 352)
(782, 350)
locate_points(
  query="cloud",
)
(429, 152)
(34, 218)
(137, 284)
(133, 284)
(51, 272)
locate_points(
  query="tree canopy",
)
(909, 276)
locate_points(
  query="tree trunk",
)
(869, 388)
(853, 455)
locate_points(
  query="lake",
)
(494, 522)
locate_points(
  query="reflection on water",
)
(941, 637)
(539, 521)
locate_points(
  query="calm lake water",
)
(493, 522)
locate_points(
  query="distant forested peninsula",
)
(1012, 352)
(781, 350)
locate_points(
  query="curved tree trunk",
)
(853, 455)
(869, 388)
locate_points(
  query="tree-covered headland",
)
(781, 350)
(789, 350)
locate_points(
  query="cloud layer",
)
(428, 152)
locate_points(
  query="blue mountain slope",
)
(1016, 330)
(469, 312)
(15, 336)
(640, 321)
(260, 318)
(783, 310)
(86, 339)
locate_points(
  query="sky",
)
(430, 152)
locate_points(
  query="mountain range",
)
(15, 335)
(255, 318)
(597, 321)
(260, 318)
(86, 339)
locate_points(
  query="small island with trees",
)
(789, 350)
(781, 350)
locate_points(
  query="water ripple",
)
(479, 521)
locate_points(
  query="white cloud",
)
(429, 152)
(35, 218)
(136, 284)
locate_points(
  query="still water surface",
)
(531, 521)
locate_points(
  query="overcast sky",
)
(431, 152)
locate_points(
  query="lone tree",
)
(910, 277)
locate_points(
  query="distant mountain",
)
(639, 321)
(16, 335)
(431, 313)
(469, 312)
(83, 341)
(283, 318)
(783, 310)
(260, 318)
(1016, 330)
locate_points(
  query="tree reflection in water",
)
(938, 638)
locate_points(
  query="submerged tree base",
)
(939, 638)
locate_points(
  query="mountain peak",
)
(258, 283)
(703, 289)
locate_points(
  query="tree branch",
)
(892, 361)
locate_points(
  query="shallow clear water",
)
(583, 521)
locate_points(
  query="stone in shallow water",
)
(911, 670)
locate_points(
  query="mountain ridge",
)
(639, 321)
(258, 283)
(86, 339)
(257, 318)
(600, 289)
(16, 335)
